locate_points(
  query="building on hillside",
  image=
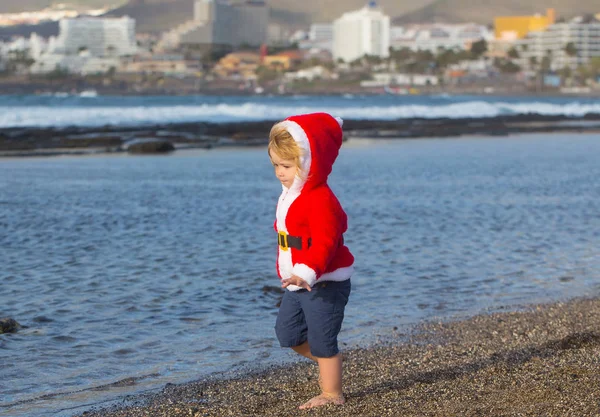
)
(75, 64)
(361, 32)
(436, 36)
(318, 37)
(310, 74)
(565, 44)
(238, 65)
(319, 32)
(172, 64)
(395, 79)
(284, 60)
(279, 35)
(511, 28)
(219, 23)
(101, 37)
(86, 45)
(33, 47)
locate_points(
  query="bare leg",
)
(330, 380)
(304, 350)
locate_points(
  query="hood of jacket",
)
(319, 135)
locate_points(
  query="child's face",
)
(285, 169)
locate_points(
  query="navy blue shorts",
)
(315, 316)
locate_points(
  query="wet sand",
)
(540, 361)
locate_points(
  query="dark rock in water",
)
(149, 145)
(42, 319)
(272, 289)
(8, 325)
(162, 138)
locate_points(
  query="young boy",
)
(313, 263)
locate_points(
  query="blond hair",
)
(283, 144)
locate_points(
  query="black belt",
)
(286, 241)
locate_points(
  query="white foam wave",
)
(46, 116)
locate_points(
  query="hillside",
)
(313, 9)
(160, 15)
(16, 6)
(484, 11)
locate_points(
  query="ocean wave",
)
(115, 115)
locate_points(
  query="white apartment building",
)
(34, 47)
(319, 37)
(584, 35)
(361, 32)
(436, 36)
(86, 45)
(101, 37)
(319, 32)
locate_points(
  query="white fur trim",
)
(283, 205)
(306, 273)
(340, 274)
(301, 139)
(340, 121)
(289, 195)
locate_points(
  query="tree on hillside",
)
(267, 74)
(400, 55)
(570, 49)
(18, 61)
(513, 53)
(447, 57)
(594, 66)
(533, 66)
(546, 63)
(506, 66)
(479, 48)
(565, 74)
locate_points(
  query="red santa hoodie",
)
(310, 210)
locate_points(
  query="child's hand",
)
(295, 280)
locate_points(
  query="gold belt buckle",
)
(283, 240)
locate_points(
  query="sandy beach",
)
(542, 360)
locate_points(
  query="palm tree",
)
(547, 60)
(533, 65)
(570, 49)
(565, 74)
(479, 48)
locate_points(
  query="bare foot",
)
(323, 399)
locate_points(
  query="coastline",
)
(56, 141)
(168, 85)
(540, 360)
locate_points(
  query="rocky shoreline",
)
(541, 360)
(36, 141)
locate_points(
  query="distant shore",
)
(163, 84)
(542, 360)
(49, 141)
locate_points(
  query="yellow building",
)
(284, 60)
(510, 28)
(241, 64)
